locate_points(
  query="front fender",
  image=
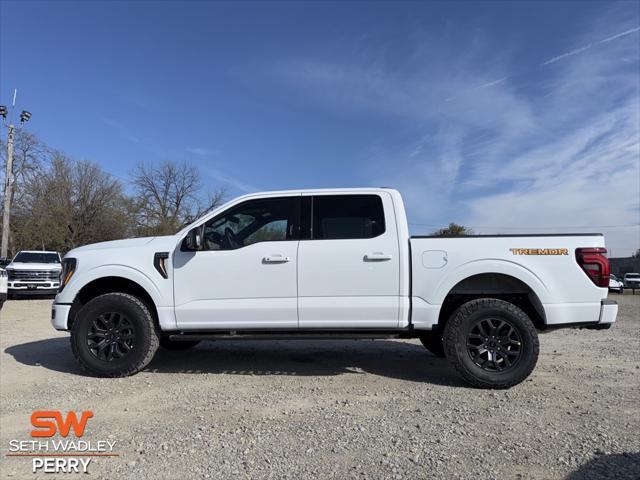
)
(83, 278)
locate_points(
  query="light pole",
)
(8, 184)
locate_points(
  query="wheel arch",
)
(111, 284)
(493, 285)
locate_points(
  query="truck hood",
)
(33, 266)
(126, 243)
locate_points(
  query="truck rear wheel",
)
(433, 342)
(491, 343)
(114, 336)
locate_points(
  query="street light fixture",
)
(8, 183)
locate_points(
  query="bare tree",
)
(72, 204)
(30, 155)
(60, 203)
(168, 197)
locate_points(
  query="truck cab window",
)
(251, 222)
(347, 216)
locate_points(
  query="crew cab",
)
(333, 263)
(34, 272)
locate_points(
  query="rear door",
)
(348, 262)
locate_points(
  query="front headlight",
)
(68, 269)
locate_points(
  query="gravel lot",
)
(334, 409)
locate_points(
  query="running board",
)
(302, 335)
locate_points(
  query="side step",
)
(291, 335)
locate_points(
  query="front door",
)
(245, 276)
(349, 268)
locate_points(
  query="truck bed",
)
(544, 266)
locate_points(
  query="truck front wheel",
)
(492, 343)
(114, 335)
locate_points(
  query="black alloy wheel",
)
(111, 336)
(494, 344)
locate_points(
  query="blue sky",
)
(511, 117)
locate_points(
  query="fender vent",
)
(160, 263)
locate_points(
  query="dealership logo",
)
(69, 454)
(45, 427)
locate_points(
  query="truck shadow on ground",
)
(621, 466)
(397, 360)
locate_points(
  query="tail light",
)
(595, 264)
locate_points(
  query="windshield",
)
(633, 275)
(37, 257)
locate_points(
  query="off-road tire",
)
(433, 342)
(145, 342)
(458, 329)
(168, 344)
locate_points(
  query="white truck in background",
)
(34, 272)
(333, 263)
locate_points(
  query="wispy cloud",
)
(588, 46)
(126, 132)
(121, 129)
(494, 82)
(540, 148)
(622, 34)
(229, 180)
(568, 54)
(202, 152)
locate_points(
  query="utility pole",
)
(8, 187)
(8, 184)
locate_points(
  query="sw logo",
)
(48, 422)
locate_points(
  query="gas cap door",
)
(434, 258)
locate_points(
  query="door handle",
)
(377, 257)
(275, 259)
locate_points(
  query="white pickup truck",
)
(331, 264)
(34, 272)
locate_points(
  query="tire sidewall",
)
(135, 313)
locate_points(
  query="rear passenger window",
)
(347, 216)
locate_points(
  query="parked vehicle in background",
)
(331, 264)
(615, 284)
(34, 272)
(3, 286)
(632, 280)
(4, 261)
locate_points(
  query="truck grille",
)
(33, 275)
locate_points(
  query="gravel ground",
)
(333, 409)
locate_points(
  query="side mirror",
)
(193, 240)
